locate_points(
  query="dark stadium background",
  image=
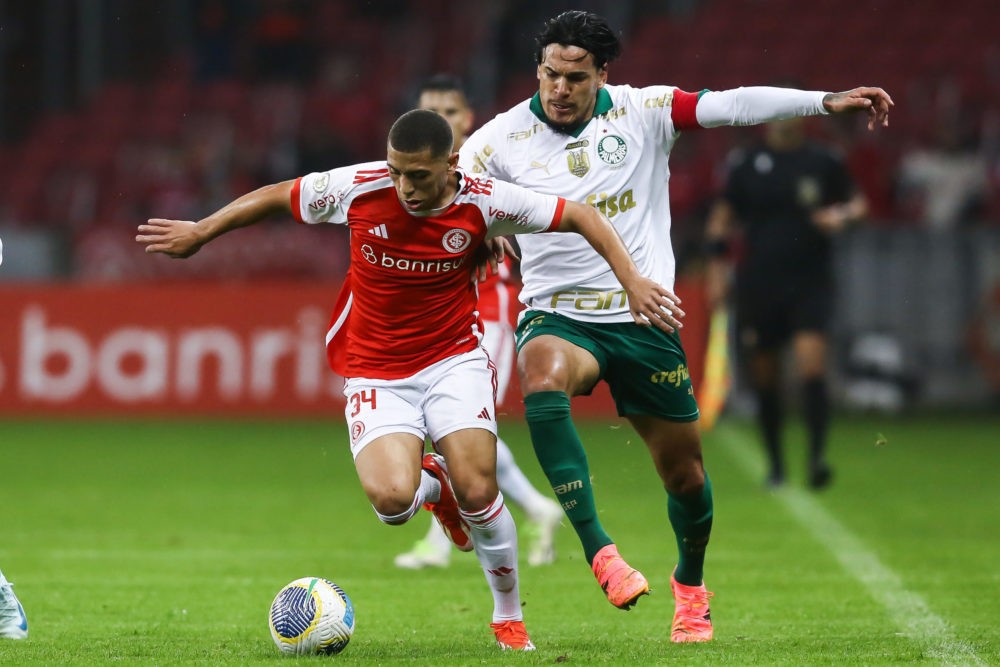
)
(113, 111)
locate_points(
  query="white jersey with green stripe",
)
(617, 162)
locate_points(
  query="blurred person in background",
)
(414, 366)
(498, 308)
(608, 145)
(791, 196)
(946, 184)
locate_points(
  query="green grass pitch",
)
(163, 542)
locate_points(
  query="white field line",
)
(907, 609)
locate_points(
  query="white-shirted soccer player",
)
(414, 363)
(498, 307)
(607, 146)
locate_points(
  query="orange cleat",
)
(512, 636)
(622, 583)
(692, 618)
(445, 510)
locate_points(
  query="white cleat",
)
(13, 622)
(424, 554)
(541, 530)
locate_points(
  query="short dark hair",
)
(442, 83)
(421, 129)
(584, 29)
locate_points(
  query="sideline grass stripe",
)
(907, 609)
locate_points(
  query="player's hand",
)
(176, 238)
(875, 101)
(830, 219)
(489, 257)
(653, 305)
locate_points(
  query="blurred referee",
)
(791, 196)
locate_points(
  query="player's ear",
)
(453, 161)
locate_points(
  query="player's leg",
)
(389, 468)
(387, 430)
(809, 322)
(676, 451)
(762, 331)
(556, 360)
(650, 382)
(13, 622)
(460, 415)
(544, 514)
(810, 350)
(552, 370)
(764, 372)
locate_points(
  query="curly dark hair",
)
(584, 29)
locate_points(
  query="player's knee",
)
(686, 480)
(393, 504)
(534, 382)
(476, 494)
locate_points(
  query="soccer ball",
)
(311, 615)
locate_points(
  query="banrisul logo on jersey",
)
(612, 149)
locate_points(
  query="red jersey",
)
(411, 302)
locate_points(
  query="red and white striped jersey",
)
(410, 301)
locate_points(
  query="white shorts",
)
(498, 339)
(453, 394)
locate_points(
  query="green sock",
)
(691, 518)
(560, 453)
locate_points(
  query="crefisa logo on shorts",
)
(456, 240)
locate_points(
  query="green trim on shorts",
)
(645, 368)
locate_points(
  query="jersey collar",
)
(602, 105)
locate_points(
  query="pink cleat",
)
(622, 583)
(692, 618)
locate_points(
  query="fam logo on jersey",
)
(612, 149)
(321, 183)
(357, 430)
(456, 240)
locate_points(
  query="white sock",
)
(428, 491)
(515, 485)
(495, 538)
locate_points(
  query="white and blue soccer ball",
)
(311, 615)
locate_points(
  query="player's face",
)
(453, 106)
(568, 81)
(423, 182)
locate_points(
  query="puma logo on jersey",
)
(379, 231)
(535, 164)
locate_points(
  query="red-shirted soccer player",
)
(414, 363)
(498, 308)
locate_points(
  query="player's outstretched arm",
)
(649, 302)
(183, 238)
(875, 101)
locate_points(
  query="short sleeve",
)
(324, 196)
(511, 209)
